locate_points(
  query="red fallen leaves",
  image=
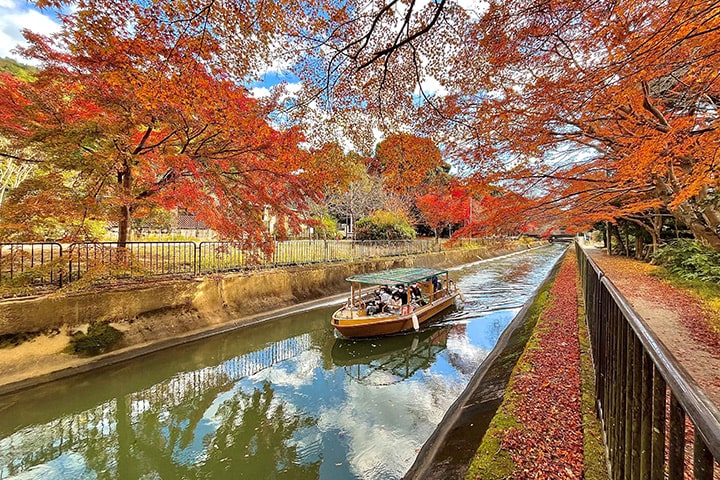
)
(633, 279)
(549, 444)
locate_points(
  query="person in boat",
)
(395, 302)
(374, 306)
(436, 283)
(385, 295)
(403, 294)
(416, 294)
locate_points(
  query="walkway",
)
(681, 321)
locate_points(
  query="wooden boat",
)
(365, 315)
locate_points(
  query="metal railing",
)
(136, 259)
(31, 263)
(53, 264)
(644, 397)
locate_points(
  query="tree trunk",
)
(608, 238)
(656, 231)
(702, 232)
(639, 246)
(626, 230)
(615, 231)
(125, 181)
(652, 225)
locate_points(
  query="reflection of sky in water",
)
(66, 466)
(362, 419)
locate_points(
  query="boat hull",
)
(360, 325)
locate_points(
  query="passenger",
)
(416, 294)
(403, 294)
(436, 283)
(373, 306)
(385, 295)
(395, 302)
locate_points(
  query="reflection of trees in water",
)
(520, 269)
(37, 445)
(252, 440)
(389, 360)
(164, 429)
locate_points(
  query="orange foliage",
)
(406, 161)
(578, 111)
(135, 118)
(445, 207)
(598, 111)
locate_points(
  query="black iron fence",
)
(657, 422)
(31, 263)
(28, 265)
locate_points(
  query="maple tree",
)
(445, 208)
(627, 95)
(587, 111)
(406, 161)
(130, 116)
(592, 111)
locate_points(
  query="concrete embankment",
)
(168, 313)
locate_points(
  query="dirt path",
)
(680, 320)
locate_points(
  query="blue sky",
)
(16, 15)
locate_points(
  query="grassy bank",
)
(546, 427)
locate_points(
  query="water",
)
(283, 400)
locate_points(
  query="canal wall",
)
(167, 307)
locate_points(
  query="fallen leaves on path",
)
(634, 280)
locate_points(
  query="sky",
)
(16, 15)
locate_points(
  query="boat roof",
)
(397, 275)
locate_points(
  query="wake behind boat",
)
(394, 301)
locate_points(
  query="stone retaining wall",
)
(213, 299)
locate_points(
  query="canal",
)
(281, 400)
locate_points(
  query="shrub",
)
(327, 227)
(100, 338)
(384, 225)
(690, 260)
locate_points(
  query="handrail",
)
(703, 412)
(631, 395)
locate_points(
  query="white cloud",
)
(260, 92)
(14, 17)
(385, 426)
(431, 87)
(293, 88)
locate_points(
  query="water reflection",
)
(286, 400)
(392, 359)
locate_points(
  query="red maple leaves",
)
(549, 443)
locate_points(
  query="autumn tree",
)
(445, 208)
(589, 111)
(605, 110)
(406, 161)
(361, 195)
(131, 116)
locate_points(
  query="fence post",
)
(197, 255)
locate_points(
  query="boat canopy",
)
(396, 276)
